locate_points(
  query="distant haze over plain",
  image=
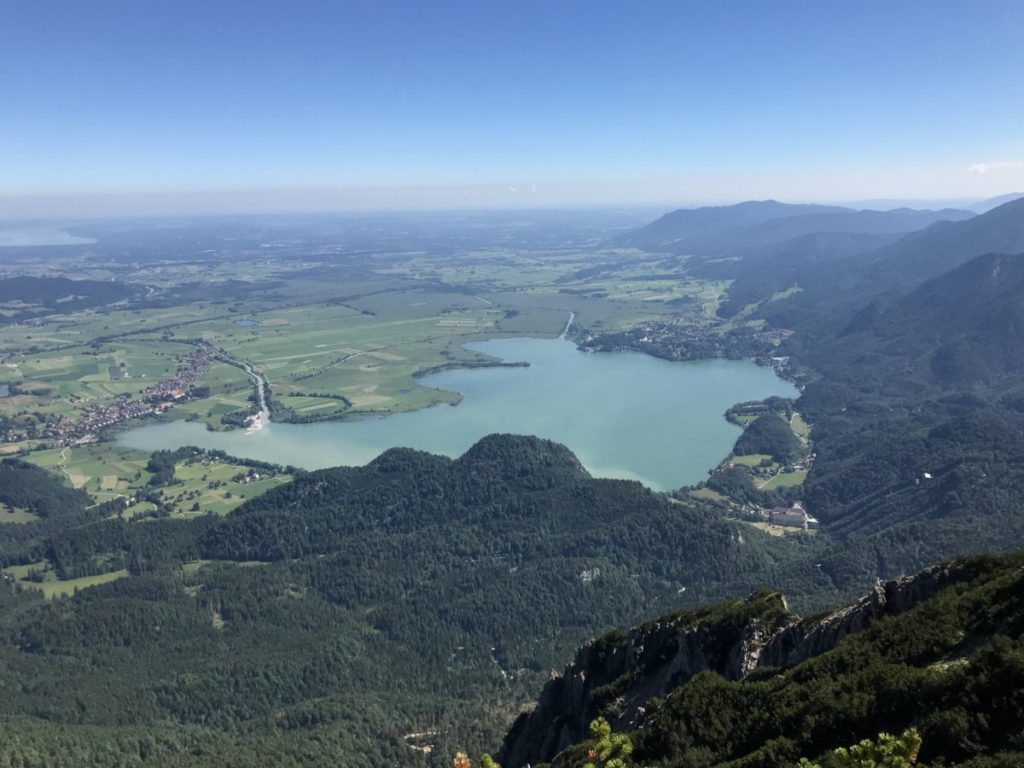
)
(957, 188)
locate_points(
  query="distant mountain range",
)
(963, 203)
(754, 224)
(833, 270)
(994, 202)
(946, 244)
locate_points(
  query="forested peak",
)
(400, 460)
(749, 211)
(690, 222)
(518, 455)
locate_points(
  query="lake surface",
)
(625, 415)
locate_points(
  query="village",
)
(681, 339)
(97, 416)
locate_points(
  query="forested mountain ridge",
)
(355, 606)
(723, 230)
(913, 388)
(994, 202)
(832, 289)
(963, 327)
(750, 683)
(947, 244)
(917, 415)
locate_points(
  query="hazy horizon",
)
(43, 208)
(121, 108)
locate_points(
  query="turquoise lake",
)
(625, 415)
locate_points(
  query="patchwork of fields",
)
(333, 337)
(331, 342)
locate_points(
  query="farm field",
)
(334, 336)
(217, 487)
(751, 460)
(800, 427)
(786, 480)
(361, 335)
(15, 515)
(108, 470)
(103, 470)
(782, 530)
(50, 585)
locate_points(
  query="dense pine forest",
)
(354, 607)
(362, 615)
(941, 653)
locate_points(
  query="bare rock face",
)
(617, 675)
(808, 639)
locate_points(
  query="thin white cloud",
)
(1000, 166)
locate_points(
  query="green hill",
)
(355, 606)
(912, 358)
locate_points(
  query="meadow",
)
(108, 470)
(334, 337)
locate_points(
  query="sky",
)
(121, 106)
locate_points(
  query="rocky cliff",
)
(618, 675)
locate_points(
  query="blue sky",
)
(569, 101)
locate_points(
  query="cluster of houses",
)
(95, 416)
(681, 339)
(177, 385)
(672, 332)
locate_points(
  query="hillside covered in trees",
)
(910, 355)
(355, 607)
(750, 683)
(364, 615)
